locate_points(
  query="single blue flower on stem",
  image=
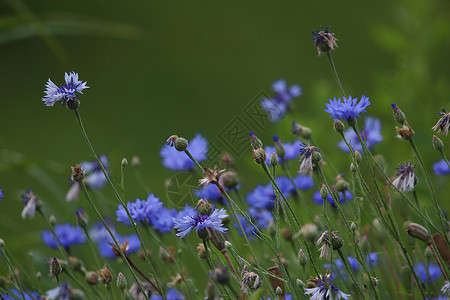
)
(185, 224)
(179, 161)
(68, 235)
(371, 134)
(441, 168)
(140, 210)
(348, 108)
(65, 92)
(277, 106)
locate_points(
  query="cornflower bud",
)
(418, 232)
(399, 116)
(255, 142)
(121, 281)
(338, 126)
(273, 159)
(437, 143)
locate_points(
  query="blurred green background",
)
(159, 68)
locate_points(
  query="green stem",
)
(122, 203)
(333, 69)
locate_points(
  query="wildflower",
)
(324, 40)
(444, 122)
(325, 289)
(140, 210)
(31, 203)
(347, 109)
(441, 168)
(371, 135)
(1, 194)
(319, 200)
(95, 178)
(304, 182)
(277, 106)
(65, 92)
(179, 161)
(310, 156)
(67, 234)
(405, 180)
(446, 288)
(434, 272)
(290, 149)
(185, 224)
(14, 294)
(336, 242)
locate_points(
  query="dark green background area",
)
(159, 68)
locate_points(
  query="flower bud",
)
(121, 281)
(418, 232)
(124, 162)
(255, 142)
(324, 193)
(399, 116)
(358, 156)
(437, 143)
(279, 148)
(302, 259)
(77, 173)
(82, 218)
(204, 207)
(259, 155)
(55, 267)
(91, 278)
(273, 159)
(338, 126)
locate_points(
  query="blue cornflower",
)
(348, 109)
(163, 219)
(1, 194)
(68, 235)
(325, 289)
(101, 237)
(277, 106)
(290, 148)
(140, 210)
(441, 168)
(94, 174)
(304, 182)
(318, 199)
(185, 224)
(172, 294)
(371, 134)
(179, 161)
(14, 294)
(433, 270)
(308, 153)
(65, 92)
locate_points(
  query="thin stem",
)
(333, 69)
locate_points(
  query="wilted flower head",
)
(405, 180)
(277, 106)
(336, 242)
(444, 122)
(186, 223)
(325, 289)
(310, 156)
(324, 40)
(67, 234)
(179, 161)
(31, 202)
(371, 135)
(65, 92)
(347, 109)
